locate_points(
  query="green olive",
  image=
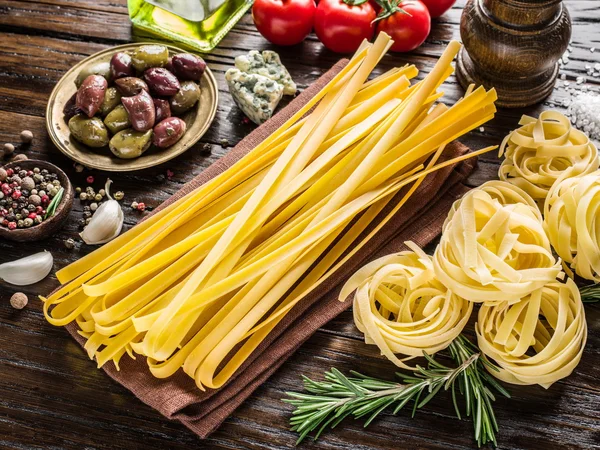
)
(112, 98)
(101, 68)
(117, 119)
(90, 132)
(187, 97)
(128, 144)
(146, 56)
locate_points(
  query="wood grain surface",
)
(53, 397)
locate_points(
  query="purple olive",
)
(121, 66)
(161, 81)
(91, 94)
(188, 67)
(130, 86)
(70, 109)
(141, 111)
(163, 109)
(168, 132)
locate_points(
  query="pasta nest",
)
(493, 250)
(538, 340)
(544, 151)
(402, 308)
(570, 220)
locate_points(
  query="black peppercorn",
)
(25, 192)
(44, 172)
(31, 208)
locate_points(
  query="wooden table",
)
(52, 395)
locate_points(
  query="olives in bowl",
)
(108, 111)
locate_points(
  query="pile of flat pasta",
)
(200, 284)
(492, 251)
(543, 151)
(401, 307)
(571, 221)
(538, 340)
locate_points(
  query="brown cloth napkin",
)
(419, 220)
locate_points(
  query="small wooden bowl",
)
(49, 226)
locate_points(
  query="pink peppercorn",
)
(141, 206)
(10, 172)
(5, 222)
(170, 173)
(12, 225)
(5, 188)
(32, 215)
(45, 199)
(90, 179)
(29, 173)
(38, 209)
(16, 195)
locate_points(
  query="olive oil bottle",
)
(198, 24)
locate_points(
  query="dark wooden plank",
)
(54, 397)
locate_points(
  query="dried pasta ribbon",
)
(570, 217)
(401, 307)
(493, 252)
(543, 151)
(538, 340)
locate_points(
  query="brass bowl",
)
(51, 225)
(197, 120)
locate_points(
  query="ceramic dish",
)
(197, 120)
(51, 225)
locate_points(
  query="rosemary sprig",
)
(590, 293)
(54, 203)
(328, 402)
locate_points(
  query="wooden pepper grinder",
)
(514, 46)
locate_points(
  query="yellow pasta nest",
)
(505, 193)
(538, 340)
(402, 308)
(570, 219)
(493, 252)
(543, 151)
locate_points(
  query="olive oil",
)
(198, 24)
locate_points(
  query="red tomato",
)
(438, 7)
(410, 30)
(284, 22)
(341, 25)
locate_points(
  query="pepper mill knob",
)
(513, 46)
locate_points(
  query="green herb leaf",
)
(329, 402)
(54, 203)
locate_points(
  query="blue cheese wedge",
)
(256, 95)
(268, 65)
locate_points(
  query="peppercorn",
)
(94, 206)
(69, 243)
(44, 171)
(83, 196)
(9, 149)
(36, 170)
(81, 222)
(16, 195)
(45, 200)
(20, 157)
(12, 225)
(90, 179)
(102, 192)
(87, 221)
(28, 222)
(118, 195)
(87, 214)
(3, 174)
(33, 192)
(35, 200)
(18, 216)
(134, 205)
(20, 223)
(26, 136)
(28, 183)
(141, 206)
(18, 300)
(22, 173)
(78, 190)
(98, 197)
(38, 219)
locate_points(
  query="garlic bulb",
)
(106, 222)
(27, 270)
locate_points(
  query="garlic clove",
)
(106, 223)
(27, 270)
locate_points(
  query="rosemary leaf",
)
(329, 402)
